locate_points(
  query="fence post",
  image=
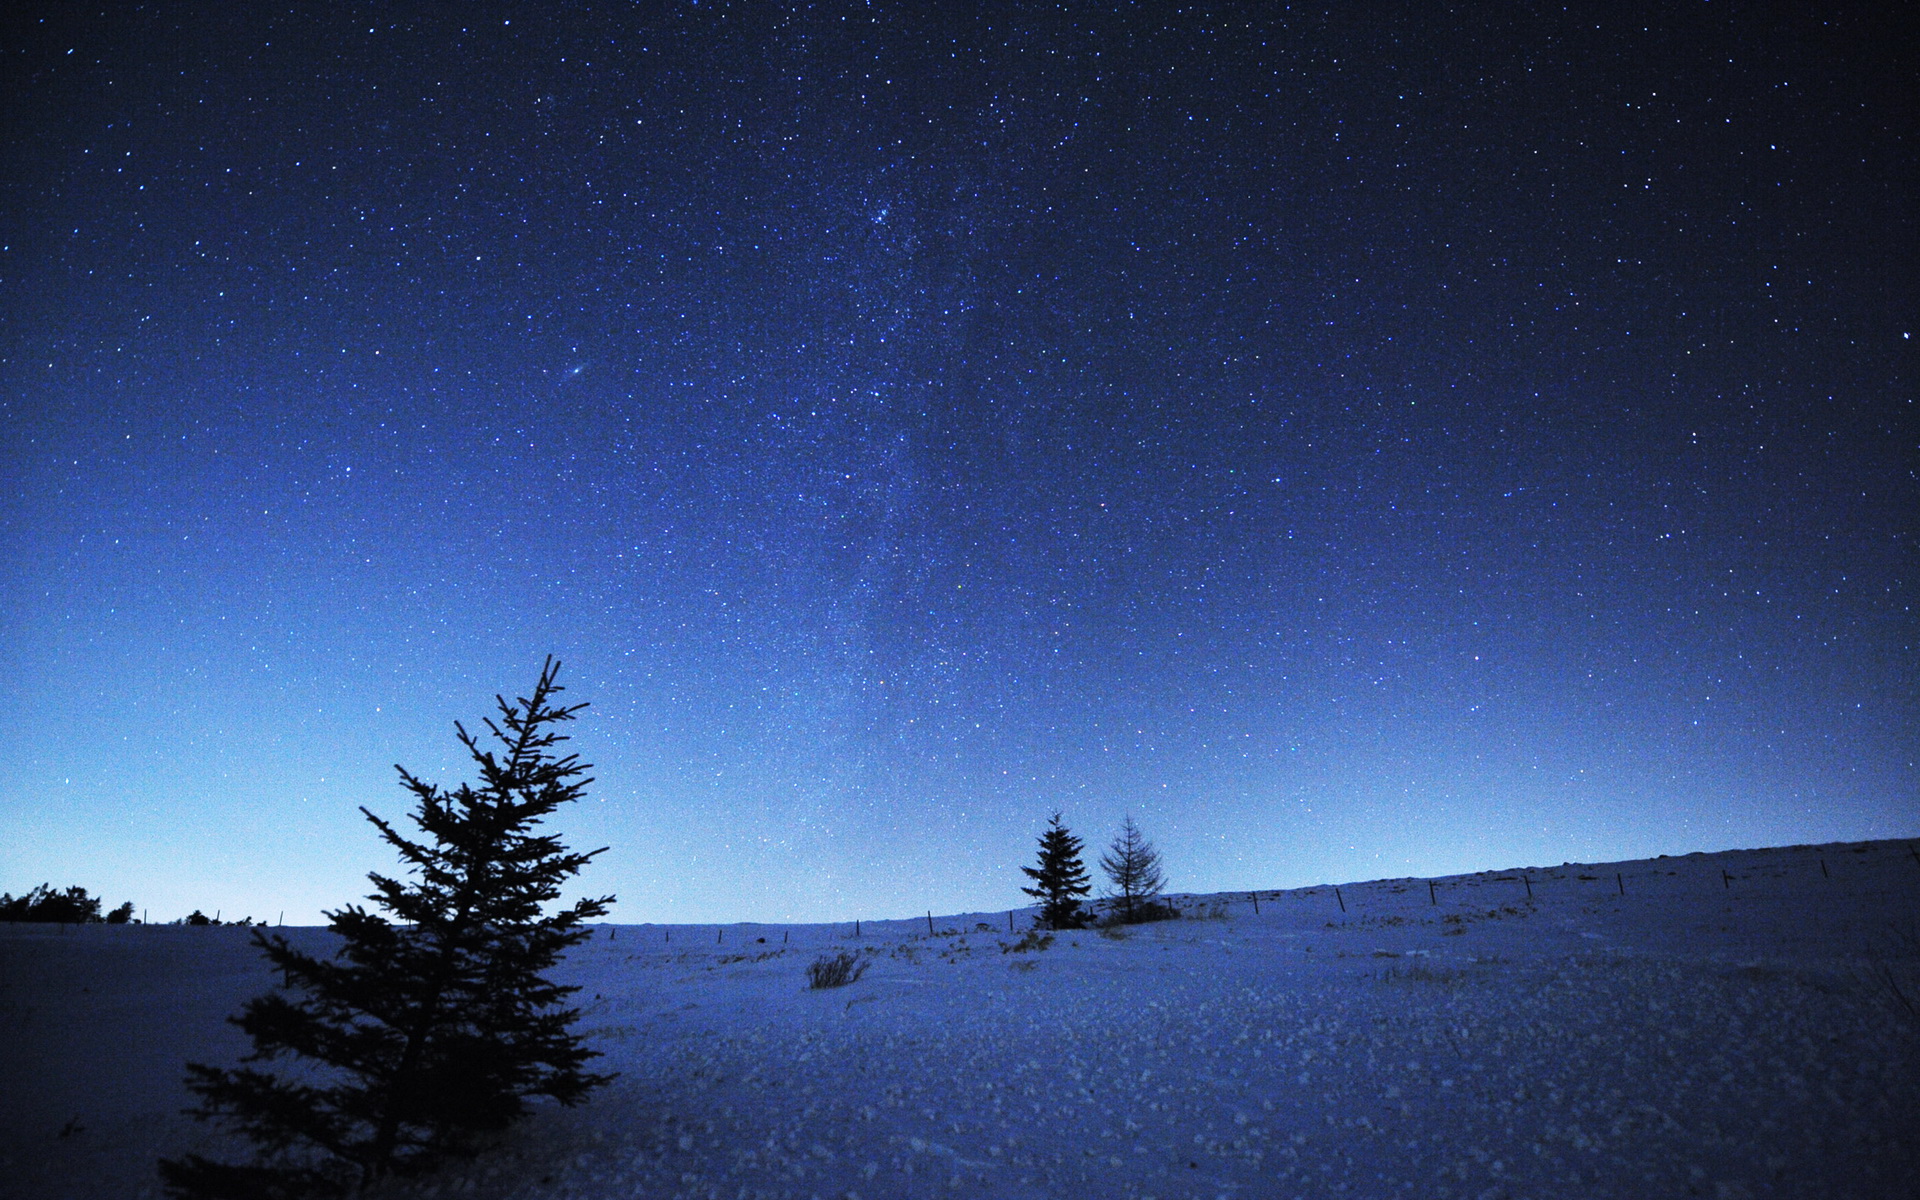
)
(1432, 896)
(1620, 882)
(1256, 904)
(1529, 883)
(1339, 897)
(929, 922)
(1726, 880)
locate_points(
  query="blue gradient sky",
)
(1355, 445)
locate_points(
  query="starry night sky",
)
(1371, 442)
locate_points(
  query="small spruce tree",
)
(426, 1031)
(1060, 879)
(1132, 866)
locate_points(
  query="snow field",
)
(1597, 1076)
(1724, 1029)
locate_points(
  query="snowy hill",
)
(1720, 1025)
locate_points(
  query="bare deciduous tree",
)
(1133, 867)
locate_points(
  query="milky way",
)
(1385, 442)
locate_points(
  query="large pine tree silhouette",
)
(1060, 879)
(433, 1027)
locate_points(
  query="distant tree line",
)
(1060, 879)
(75, 906)
(71, 907)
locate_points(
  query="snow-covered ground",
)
(1716, 1025)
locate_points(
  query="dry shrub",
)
(835, 970)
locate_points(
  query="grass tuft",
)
(1034, 940)
(835, 970)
